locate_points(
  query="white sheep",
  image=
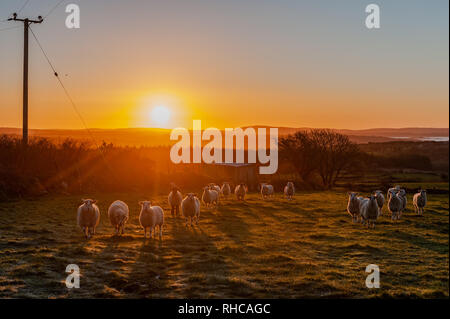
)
(190, 207)
(175, 197)
(420, 201)
(395, 204)
(118, 214)
(353, 206)
(210, 196)
(289, 190)
(369, 210)
(88, 217)
(240, 191)
(150, 217)
(266, 190)
(226, 189)
(380, 201)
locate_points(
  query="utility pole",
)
(26, 24)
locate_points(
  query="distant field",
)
(304, 248)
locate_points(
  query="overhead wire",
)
(71, 100)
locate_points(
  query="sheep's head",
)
(352, 195)
(88, 202)
(393, 192)
(423, 192)
(402, 192)
(190, 197)
(290, 184)
(145, 204)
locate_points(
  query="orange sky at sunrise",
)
(231, 63)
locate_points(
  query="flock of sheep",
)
(367, 210)
(151, 218)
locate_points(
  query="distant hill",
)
(155, 137)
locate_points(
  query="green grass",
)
(307, 248)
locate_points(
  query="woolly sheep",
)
(369, 210)
(151, 217)
(395, 204)
(210, 196)
(289, 190)
(226, 189)
(118, 214)
(88, 217)
(190, 207)
(420, 201)
(353, 206)
(240, 191)
(175, 199)
(266, 190)
(380, 201)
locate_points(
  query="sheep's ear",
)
(141, 203)
(94, 201)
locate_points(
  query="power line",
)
(24, 5)
(64, 88)
(18, 11)
(73, 104)
(53, 9)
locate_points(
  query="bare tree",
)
(324, 152)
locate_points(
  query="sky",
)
(229, 63)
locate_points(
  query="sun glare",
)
(160, 116)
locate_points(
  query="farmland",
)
(305, 248)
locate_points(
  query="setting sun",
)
(160, 116)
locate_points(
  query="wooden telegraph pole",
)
(26, 24)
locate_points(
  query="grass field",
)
(307, 248)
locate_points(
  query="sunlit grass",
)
(304, 248)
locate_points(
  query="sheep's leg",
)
(177, 211)
(160, 231)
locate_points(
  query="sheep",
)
(353, 206)
(150, 217)
(226, 189)
(395, 204)
(190, 208)
(175, 199)
(88, 217)
(214, 187)
(240, 191)
(266, 190)
(289, 190)
(402, 194)
(210, 196)
(420, 201)
(369, 210)
(380, 201)
(118, 214)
